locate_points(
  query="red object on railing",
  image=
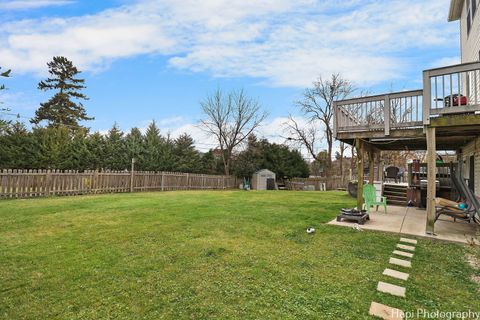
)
(455, 100)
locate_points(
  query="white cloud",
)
(283, 42)
(31, 4)
(447, 61)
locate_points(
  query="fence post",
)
(132, 174)
(188, 181)
(95, 181)
(48, 183)
(163, 180)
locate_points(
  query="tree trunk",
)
(226, 163)
(330, 147)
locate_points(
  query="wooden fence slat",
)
(31, 183)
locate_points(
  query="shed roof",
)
(263, 171)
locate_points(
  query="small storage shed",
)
(263, 180)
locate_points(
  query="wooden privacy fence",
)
(319, 184)
(43, 183)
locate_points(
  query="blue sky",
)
(156, 59)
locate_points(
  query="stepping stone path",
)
(385, 312)
(396, 274)
(391, 289)
(411, 241)
(400, 262)
(405, 247)
(403, 254)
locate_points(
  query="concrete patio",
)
(412, 221)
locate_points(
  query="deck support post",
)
(371, 163)
(379, 166)
(360, 155)
(431, 179)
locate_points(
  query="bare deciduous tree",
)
(230, 118)
(307, 136)
(317, 105)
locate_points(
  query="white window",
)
(471, 11)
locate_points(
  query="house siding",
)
(470, 43)
(473, 148)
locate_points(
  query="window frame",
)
(472, 8)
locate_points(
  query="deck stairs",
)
(396, 194)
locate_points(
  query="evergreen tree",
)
(275, 157)
(250, 160)
(187, 158)
(167, 160)
(78, 153)
(210, 164)
(134, 146)
(51, 148)
(16, 147)
(96, 157)
(152, 145)
(115, 155)
(4, 74)
(3, 123)
(61, 109)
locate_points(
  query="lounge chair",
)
(451, 209)
(370, 198)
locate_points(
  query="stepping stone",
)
(400, 262)
(391, 289)
(403, 254)
(396, 274)
(385, 312)
(405, 247)
(406, 240)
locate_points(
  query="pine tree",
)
(4, 74)
(16, 147)
(97, 148)
(78, 151)
(3, 123)
(115, 155)
(187, 158)
(134, 146)
(51, 147)
(153, 144)
(61, 109)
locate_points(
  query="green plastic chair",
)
(370, 198)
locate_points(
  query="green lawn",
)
(199, 255)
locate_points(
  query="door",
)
(270, 184)
(471, 178)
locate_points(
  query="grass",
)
(199, 255)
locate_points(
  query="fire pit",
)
(360, 216)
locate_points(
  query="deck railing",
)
(451, 90)
(448, 90)
(402, 110)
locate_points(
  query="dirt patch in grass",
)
(473, 261)
(476, 279)
(475, 264)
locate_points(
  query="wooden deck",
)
(397, 121)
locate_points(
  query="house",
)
(466, 13)
(443, 115)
